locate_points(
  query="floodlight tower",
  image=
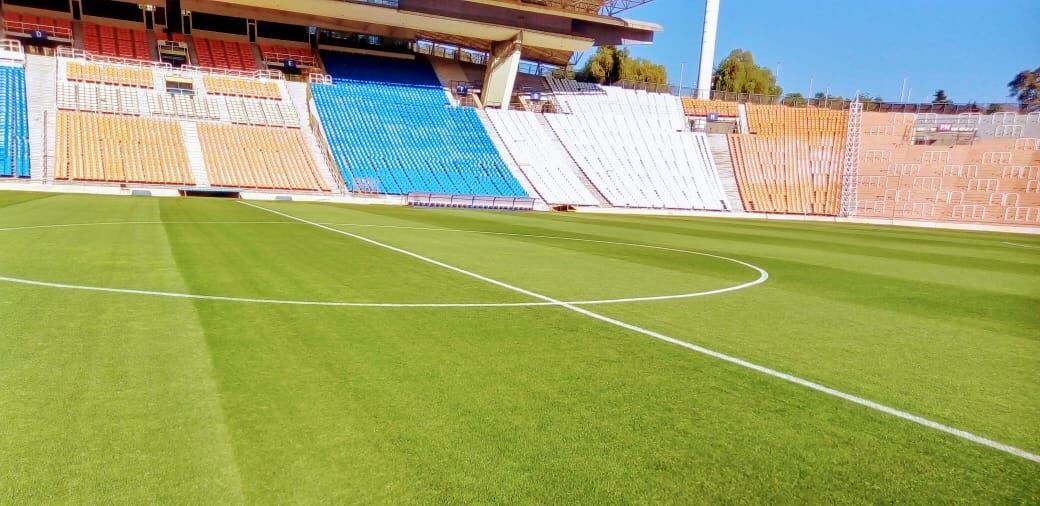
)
(711, 26)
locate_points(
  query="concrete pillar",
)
(500, 76)
(711, 26)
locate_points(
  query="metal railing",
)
(52, 31)
(70, 52)
(472, 201)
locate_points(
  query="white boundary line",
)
(762, 274)
(711, 353)
(1021, 245)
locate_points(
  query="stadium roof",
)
(604, 7)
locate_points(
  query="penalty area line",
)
(974, 438)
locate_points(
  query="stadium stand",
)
(963, 168)
(119, 42)
(540, 158)
(225, 54)
(258, 157)
(94, 98)
(392, 130)
(697, 107)
(14, 153)
(633, 146)
(793, 160)
(115, 148)
(92, 72)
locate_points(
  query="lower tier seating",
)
(788, 174)
(14, 152)
(540, 157)
(258, 157)
(392, 130)
(989, 180)
(639, 165)
(113, 148)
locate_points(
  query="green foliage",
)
(993, 108)
(795, 99)
(1025, 87)
(940, 97)
(610, 64)
(738, 73)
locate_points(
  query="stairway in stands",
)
(573, 164)
(193, 148)
(298, 95)
(724, 163)
(40, 86)
(506, 156)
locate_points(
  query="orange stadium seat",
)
(696, 107)
(240, 156)
(130, 44)
(987, 180)
(225, 54)
(114, 148)
(793, 162)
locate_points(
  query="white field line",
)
(700, 349)
(1021, 245)
(762, 274)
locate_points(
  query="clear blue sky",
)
(969, 48)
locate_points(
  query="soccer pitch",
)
(217, 351)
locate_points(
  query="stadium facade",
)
(458, 103)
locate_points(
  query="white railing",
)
(316, 78)
(11, 50)
(52, 31)
(70, 52)
(277, 56)
(250, 74)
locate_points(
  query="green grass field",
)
(114, 397)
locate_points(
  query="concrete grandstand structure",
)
(354, 101)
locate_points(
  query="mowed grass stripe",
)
(106, 397)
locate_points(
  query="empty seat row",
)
(76, 70)
(251, 111)
(225, 54)
(119, 42)
(258, 157)
(14, 151)
(184, 105)
(95, 98)
(223, 85)
(114, 148)
(788, 175)
(25, 24)
(274, 53)
(697, 107)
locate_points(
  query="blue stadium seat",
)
(392, 130)
(14, 151)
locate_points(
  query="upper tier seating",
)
(95, 98)
(118, 42)
(633, 147)
(25, 24)
(540, 157)
(114, 148)
(391, 130)
(274, 53)
(697, 107)
(91, 72)
(221, 85)
(992, 180)
(258, 157)
(14, 152)
(795, 163)
(225, 54)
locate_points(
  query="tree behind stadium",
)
(610, 65)
(1026, 88)
(738, 73)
